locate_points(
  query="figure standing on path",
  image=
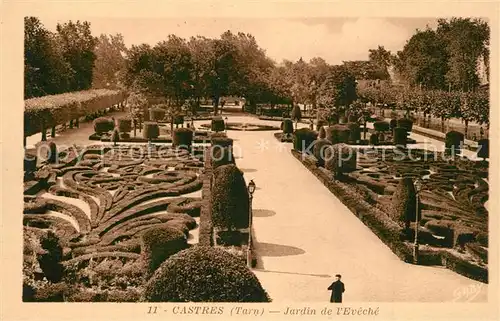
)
(337, 289)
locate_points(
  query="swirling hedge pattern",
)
(128, 189)
(453, 196)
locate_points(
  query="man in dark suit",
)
(337, 289)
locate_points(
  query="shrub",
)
(340, 159)
(303, 139)
(48, 151)
(403, 207)
(204, 274)
(405, 123)
(217, 124)
(484, 148)
(30, 163)
(230, 202)
(124, 125)
(156, 114)
(352, 118)
(400, 136)
(158, 244)
(393, 123)
(182, 137)
(124, 136)
(374, 139)
(319, 150)
(103, 125)
(221, 141)
(454, 141)
(381, 126)
(354, 132)
(322, 133)
(221, 156)
(115, 137)
(287, 126)
(150, 130)
(338, 134)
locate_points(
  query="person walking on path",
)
(337, 289)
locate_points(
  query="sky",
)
(334, 39)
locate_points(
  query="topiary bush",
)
(340, 159)
(322, 133)
(484, 148)
(287, 126)
(405, 123)
(158, 244)
(403, 207)
(303, 139)
(354, 132)
(229, 199)
(221, 141)
(221, 156)
(30, 163)
(296, 113)
(338, 134)
(454, 141)
(218, 124)
(156, 114)
(374, 139)
(400, 136)
(319, 150)
(183, 137)
(103, 125)
(204, 274)
(150, 130)
(393, 123)
(48, 151)
(124, 125)
(381, 126)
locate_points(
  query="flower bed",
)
(367, 193)
(123, 188)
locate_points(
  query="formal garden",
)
(133, 190)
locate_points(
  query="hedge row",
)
(44, 112)
(206, 225)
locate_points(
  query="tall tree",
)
(78, 50)
(380, 59)
(465, 41)
(110, 61)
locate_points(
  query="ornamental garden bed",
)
(103, 219)
(453, 230)
(245, 127)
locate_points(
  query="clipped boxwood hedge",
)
(103, 125)
(124, 125)
(354, 132)
(287, 126)
(158, 244)
(381, 126)
(322, 133)
(204, 274)
(484, 148)
(393, 123)
(229, 198)
(338, 134)
(319, 150)
(400, 136)
(303, 139)
(183, 137)
(221, 156)
(340, 159)
(150, 130)
(217, 124)
(405, 123)
(454, 141)
(403, 209)
(44, 112)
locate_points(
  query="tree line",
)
(188, 70)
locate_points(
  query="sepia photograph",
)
(335, 160)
